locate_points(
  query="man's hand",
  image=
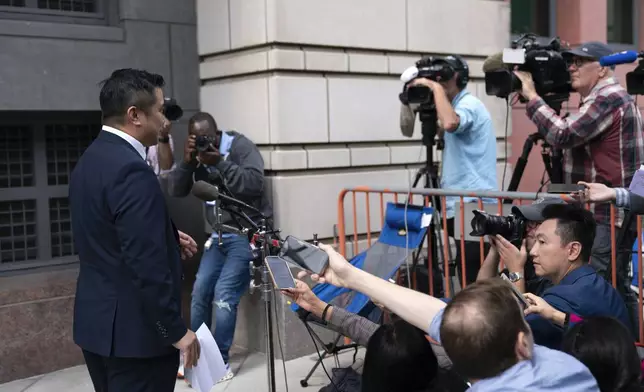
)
(338, 271)
(210, 157)
(165, 131)
(513, 258)
(304, 298)
(433, 85)
(190, 349)
(188, 245)
(528, 90)
(539, 306)
(596, 193)
(189, 149)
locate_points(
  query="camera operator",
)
(469, 155)
(231, 161)
(603, 142)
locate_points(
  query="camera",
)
(203, 142)
(511, 227)
(635, 79)
(546, 63)
(436, 69)
(171, 109)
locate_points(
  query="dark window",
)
(68, 5)
(16, 157)
(18, 231)
(65, 144)
(12, 3)
(62, 243)
(530, 16)
(619, 23)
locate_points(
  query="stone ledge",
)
(312, 59)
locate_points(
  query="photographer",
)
(469, 155)
(232, 162)
(518, 263)
(601, 143)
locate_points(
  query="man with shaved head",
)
(482, 330)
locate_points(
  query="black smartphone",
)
(307, 256)
(280, 272)
(565, 188)
(520, 297)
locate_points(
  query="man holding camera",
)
(232, 162)
(469, 155)
(603, 142)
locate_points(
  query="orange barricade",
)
(362, 229)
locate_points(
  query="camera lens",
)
(202, 143)
(485, 224)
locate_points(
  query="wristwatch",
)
(515, 276)
(164, 139)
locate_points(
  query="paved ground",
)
(250, 375)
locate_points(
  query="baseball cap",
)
(593, 49)
(534, 211)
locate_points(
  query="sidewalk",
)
(250, 375)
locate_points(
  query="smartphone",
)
(280, 272)
(516, 292)
(565, 188)
(305, 255)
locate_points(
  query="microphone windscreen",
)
(494, 62)
(625, 57)
(407, 120)
(204, 191)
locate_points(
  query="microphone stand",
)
(261, 279)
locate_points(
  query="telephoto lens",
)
(510, 227)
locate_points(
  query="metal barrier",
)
(363, 230)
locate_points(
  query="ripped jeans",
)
(223, 277)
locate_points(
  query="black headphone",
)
(460, 66)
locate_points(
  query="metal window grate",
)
(68, 5)
(16, 157)
(18, 231)
(12, 3)
(65, 145)
(62, 241)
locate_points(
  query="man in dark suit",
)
(127, 315)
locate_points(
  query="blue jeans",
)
(223, 277)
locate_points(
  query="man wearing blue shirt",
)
(561, 254)
(469, 156)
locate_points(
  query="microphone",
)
(208, 192)
(625, 57)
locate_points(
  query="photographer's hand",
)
(528, 90)
(189, 150)
(513, 258)
(210, 157)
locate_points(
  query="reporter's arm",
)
(446, 113)
(180, 179)
(490, 267)
(412, 306)
(356, 328)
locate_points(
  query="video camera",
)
(546, 63)
(511, 227)
(436, 69)
(635, 78)
(204, 142)
(171, 109)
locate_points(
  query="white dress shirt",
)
(140, 148)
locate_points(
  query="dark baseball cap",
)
(534, 211)
(593, 49)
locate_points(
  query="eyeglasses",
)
(579, 62)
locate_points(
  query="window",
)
(36, 160)
(58, 5)
(621, 22)
(532, 16)
(97, 12)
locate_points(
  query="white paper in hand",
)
(210, 368)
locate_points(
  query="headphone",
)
(460, 66)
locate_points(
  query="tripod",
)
(258, 269)
(429, 173)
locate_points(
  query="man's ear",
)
(133, 115)
(523, 348)
(574, 251)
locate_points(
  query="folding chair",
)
(382, 259)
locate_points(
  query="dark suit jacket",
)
(128, 296)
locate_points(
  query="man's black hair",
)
(204, 117)
(574, 223)
(125, 88)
